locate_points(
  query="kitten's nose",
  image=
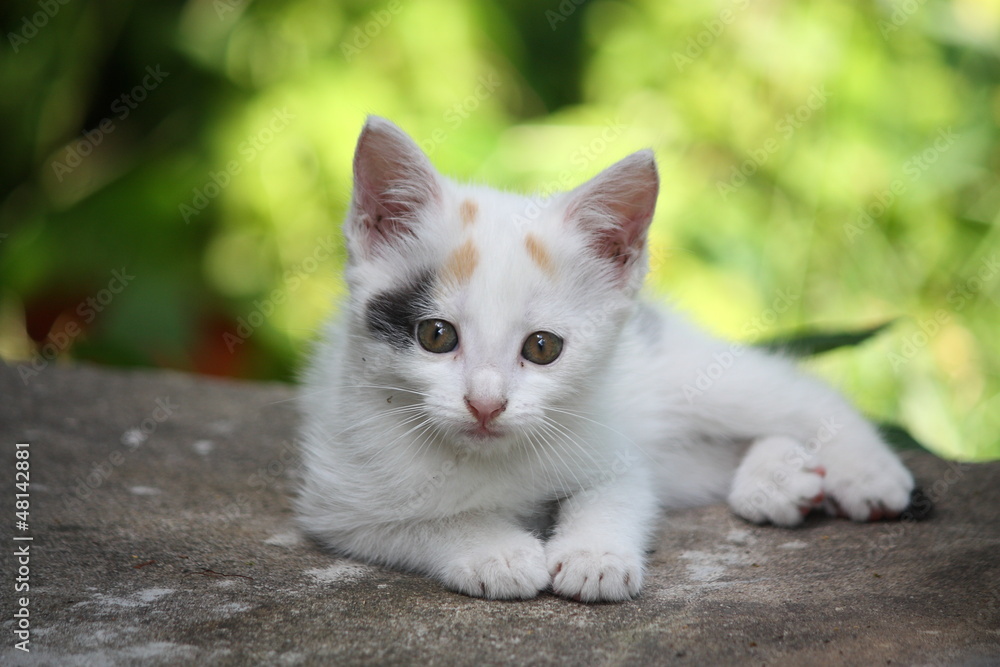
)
(485, 410)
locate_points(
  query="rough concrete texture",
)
(163, 535)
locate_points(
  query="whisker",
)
(403, 409)
(548, 465)
(427, 430)
(299, 394)
(556, 451)
(597, 423)
(423, 420)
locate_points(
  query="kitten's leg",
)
(598, 548)
(478, 554)
(809, 446)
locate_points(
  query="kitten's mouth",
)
(480, 432)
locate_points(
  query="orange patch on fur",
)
(539, 254)
(467, 211)
(461, 264)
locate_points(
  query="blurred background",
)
(175, 173)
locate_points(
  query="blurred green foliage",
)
(824, 165)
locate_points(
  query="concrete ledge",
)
(163, 535)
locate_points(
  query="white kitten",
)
(494, 365)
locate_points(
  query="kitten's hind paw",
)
(595, 576)
(868, 488)
(512, 571)
(777, 483)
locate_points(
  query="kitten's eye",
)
(542, 347)
(437, 336)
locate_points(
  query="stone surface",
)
(163, 535)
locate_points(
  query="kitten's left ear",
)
(616, 207)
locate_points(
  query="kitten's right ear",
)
(393, 181)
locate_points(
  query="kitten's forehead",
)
(494, 231)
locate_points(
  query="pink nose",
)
(485, 411)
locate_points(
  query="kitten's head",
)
(491, 311)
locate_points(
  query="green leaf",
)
(900, 438)
(811, 342)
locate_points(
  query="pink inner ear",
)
(384, 216)
(393, 180)
(616, 207)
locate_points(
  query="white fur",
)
(623, 423)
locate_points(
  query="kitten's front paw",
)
(514, 570)
(776, 483)
(595, 575)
